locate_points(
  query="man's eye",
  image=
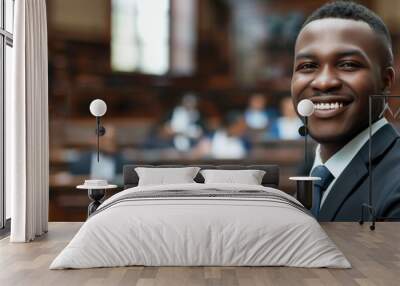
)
(306, 67)
(350, 66)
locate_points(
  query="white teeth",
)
(328, 106)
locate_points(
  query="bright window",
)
(6, 43)
(140, 36)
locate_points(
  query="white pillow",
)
(162, 176)
(248, 177)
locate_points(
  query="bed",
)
(201, 224)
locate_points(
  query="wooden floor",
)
(375, 257)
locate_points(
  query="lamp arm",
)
(100, 131)
(98, 136)
(305, 140)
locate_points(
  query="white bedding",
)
(182, 231)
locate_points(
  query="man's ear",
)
(388, 77)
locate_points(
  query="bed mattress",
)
(201, 225)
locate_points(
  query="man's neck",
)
(328, 150)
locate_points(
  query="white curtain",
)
(27, 147)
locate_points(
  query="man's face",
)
(337, 66)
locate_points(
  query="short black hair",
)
(354, 11)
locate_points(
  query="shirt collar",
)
(339, 161)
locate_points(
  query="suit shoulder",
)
(392, 154)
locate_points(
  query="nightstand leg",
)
(96, 195)
(304, 193)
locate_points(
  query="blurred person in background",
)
(226, 142)
(185, 123)
(180, 129)
(159, 137)
(258, 115)
(286, 127)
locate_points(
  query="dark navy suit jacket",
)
(350, 190)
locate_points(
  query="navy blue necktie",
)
(320, 186)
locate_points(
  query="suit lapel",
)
(356, 172)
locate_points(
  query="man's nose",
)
(326, 80)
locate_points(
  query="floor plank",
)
(374, 255)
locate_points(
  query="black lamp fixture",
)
(98, 108)
(304, 194)
(305, 108)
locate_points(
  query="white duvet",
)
(191, 231)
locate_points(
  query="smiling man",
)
(343, 54)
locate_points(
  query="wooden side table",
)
(96, 194)
(304, 192)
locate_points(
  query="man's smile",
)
(330, 106)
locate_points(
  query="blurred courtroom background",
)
(185, 81)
